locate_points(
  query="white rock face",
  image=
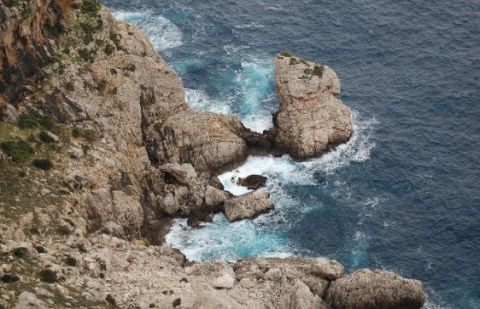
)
(310, 117)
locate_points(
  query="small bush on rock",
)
(318, 70)
(20, 252)
(90, 7)
(43, 164)
(70, 261)
(44, 137)
(8, 278)
(48, 276)
(111, 301)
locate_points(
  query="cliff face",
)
(310, 117)
(99, 150)
(27, 26)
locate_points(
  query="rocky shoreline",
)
(99, 150)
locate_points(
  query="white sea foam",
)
(161, 31)
(224, 240)
(201, 101)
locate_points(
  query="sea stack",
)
(311, 117)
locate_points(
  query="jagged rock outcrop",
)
(310, 117)
(248, 206)
(375, 289)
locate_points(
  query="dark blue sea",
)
(404, 193)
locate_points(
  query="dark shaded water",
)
(404, 194)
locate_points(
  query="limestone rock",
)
(215, 197)
(219, 274)
(300, 296)
(206, 140)
(209, 298)
(310, 117)
(29, 300)
(327, 269)
(375, 289)
(248, 206)
(253, 182)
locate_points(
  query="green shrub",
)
(19, 151)
(90, 7)
(109, 49)
(63, 230)
(70, 261)
(286, 53)
(111, 301)
(48, 276)
(20, 252)
(40, 249)
(318, 70)
(115, 38)
(87, 54)
(43, 164)
(102, 84)
(44, 137)
(28, 122)
(8, 278)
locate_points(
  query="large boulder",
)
(248, 206)
(376, 289)
(310, 117)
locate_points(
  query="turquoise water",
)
(404, 193)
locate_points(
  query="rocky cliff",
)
(311, 117)
(98, 150)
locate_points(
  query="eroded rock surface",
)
(375, 289)
(247, 206)
(311, 117)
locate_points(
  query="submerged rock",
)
(375, 289)
(248, 206)
(253, 182)
(310, 117)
